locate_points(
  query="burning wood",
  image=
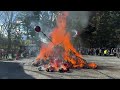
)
(60, 52)
(52, 68)
(92, 65)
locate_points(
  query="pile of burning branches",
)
(59, 54)
(56, 62)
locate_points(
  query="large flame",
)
(61, 38)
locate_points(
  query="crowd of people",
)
(101, 51)
(15, 54)
(4, 54)
(24, 53)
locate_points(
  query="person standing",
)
(105, 52)
(114, 51)
(97, 51)
(100, 51)
(0, 54)
(118, 52)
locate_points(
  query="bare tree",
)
(8, 19)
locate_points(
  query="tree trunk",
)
(9, 39)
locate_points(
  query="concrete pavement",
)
(109, 68)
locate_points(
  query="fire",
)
(92, 65)
(61, 47)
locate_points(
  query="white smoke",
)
(84, 18)
(81, 18)
(77, 21)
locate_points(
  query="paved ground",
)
(109, 68)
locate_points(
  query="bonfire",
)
(60, 52)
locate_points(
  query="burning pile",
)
(60, 53)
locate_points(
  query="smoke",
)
(84, 18)
(44, 28)
(78, 19)
(46, 31)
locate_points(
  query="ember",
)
(92, 65)
(60, 52)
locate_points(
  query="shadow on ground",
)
(107, 68)
(11, 70)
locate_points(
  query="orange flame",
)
(60, 37)
(92, 65)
